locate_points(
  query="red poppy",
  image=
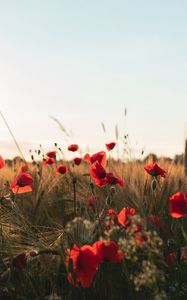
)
(100, 157)
(77, 161)
(178, 205)
(110, 146)
(19, 262)
(112, 180)
(73, 147)
(85, 264)
(51, 154)
(49, 161)
(61, 169)
(155, 170)
(98, 174)
(2, 162)
(108, 251)
(24, 168)
(125, 215)
(155, 220)
(22, 183)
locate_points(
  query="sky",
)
(83, 62)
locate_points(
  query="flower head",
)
(113, 180)
(77, 161)
(178, 205)
(85, 264)
(98, 174)
(155, 170)
(51, 154)
(62, 169)
(100, 157)
(108, 251)
(110, 146)
(73, 147)
(124, 217)
(49, 161)
(22, 183)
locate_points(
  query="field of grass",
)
(87, 234)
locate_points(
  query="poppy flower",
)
(178, 205)
(61, 169)
(2, 162)
(155, 170)
(113, 180)
(19, 262)
(51, 154)
(22, 183)
(77, 161)
(24, 168)
(110, 146)
(108, 251)
(98, 174)
(85, 264)
(49, 161)
(125, 215)
(100, 157)
(73, 147)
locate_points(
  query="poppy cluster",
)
(83, 262)
(98, 171)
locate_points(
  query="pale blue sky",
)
(84, 61)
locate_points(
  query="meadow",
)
(92, 227)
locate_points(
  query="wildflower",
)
(62, 169)
(108, 251)
(155, 170)
(100, 157)
(98, 174)
(110, 146)
(2, 162)
(22, 183)
(77, 161)
(51, 154)
(112, 180)
(49, 161)
(125, 215)
(73, 147)
(19, 262)
(178, 205)
(85, 264)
